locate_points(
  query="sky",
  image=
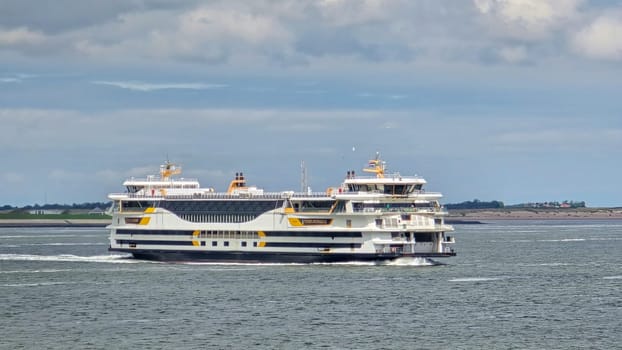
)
(511, 100)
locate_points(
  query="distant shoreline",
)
(455, 217)
(481, 215)
(54, 222)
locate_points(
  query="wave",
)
(39, 284)
(476, 279)
(49, 244)
(564, 240)
(48, 236)
(612, 277)
(114, 259)
(36, 271)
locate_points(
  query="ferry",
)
(379, 217)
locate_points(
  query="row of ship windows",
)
(226, 243)
(213, 234)
(229, 234)
(132, 243)
(224, 218)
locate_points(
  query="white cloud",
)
(141, 86)
(601, 39)
(527, 19)
(10, 80)
(20, 36)
(352, 12)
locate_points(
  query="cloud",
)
(21, 36)
(527, 19)
(558, 140)
(601, 39)
(141, 86)
(10, 80)
(330, 37)
(513, 54)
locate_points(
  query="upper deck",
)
(379, 187)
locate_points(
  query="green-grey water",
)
(513, 285)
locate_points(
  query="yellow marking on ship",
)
(294, 221)
(196, 234)
(144, 221)
(262, 244)
(150, 210)
(289, 210)
(261, 234)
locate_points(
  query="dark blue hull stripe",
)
(313, 234)
(152, 242)
(273, 257)
(312, 245)
(155, 232)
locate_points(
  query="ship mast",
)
(303, 177)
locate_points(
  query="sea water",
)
(513, 285)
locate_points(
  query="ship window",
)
(400, 189)
(418, 187)
(348, 223)
(214, 244)
(423, 236)
(340, 207)
(226, 243)
(243, 244)
(379, 222)
(134, 221)
(254, 244)
(316, 205)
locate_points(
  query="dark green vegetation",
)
(477, 204)
(55, 206)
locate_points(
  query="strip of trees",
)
(87, 205)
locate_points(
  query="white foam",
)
(411, 262)
(115, 259)
(612, 277)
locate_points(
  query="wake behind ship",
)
(366, 218)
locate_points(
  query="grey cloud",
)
(53, 17)
(262, 35)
